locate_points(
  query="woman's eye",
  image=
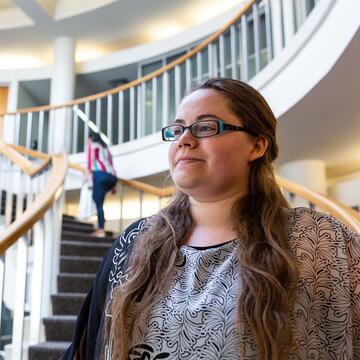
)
(206, 127)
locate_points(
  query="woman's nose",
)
(187, 139)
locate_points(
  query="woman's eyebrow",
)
(198, 118)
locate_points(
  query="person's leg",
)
(109, 181)
(99, 190)
(103, 182)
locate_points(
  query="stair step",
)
(74, 283)
(59, 327)
(79, 264)
(78, 223)
(81, 229)
(70, 235)
(67, 303)
(48, 350)
(83, 248)
(73, 227)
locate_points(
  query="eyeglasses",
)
(201, 129)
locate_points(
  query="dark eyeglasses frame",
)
(221, 127)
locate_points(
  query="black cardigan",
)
(86, 341)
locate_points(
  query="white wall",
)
(346, 190)
(311, 54)
(25, 99)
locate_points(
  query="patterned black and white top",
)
(196, 319)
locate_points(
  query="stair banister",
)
(325, 204)
(44, 201)
(32, 230)
(144, 105)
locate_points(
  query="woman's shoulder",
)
(307, 217)
(121, 247)
(308, 225)
(126, 238)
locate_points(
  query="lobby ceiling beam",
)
(38, 13)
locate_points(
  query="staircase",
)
(80, 258)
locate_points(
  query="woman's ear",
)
(259, 147)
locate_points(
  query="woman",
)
(101, 170)
(226, 270)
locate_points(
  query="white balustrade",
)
(27, 270)
(240, 52)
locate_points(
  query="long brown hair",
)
(268, 271)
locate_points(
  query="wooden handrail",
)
(335, 208)
(353, 212)
(38, 208)
(154, 190)
(30, 152)
(12, 153)
(339, 211)
(137, 185)
(145, 78)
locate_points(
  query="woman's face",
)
(212, 168)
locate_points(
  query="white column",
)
(276, 27)
(9, 122)
(289, 20)
(62, 90)
(346, 189)
(309, 173)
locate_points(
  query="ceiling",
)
(28, 27)
(5, 4)
(325, 124)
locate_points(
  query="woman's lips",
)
(187, 160)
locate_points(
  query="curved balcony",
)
(288, 60)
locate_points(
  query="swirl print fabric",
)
(196, 318)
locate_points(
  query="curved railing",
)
(31, 187)
(44, 199)
(295, 193)
(323, 203)
(240, 49)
